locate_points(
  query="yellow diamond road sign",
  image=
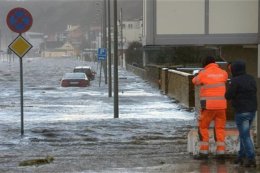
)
(20, 46)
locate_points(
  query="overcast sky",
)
(54, 15)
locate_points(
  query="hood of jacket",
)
(238, 68)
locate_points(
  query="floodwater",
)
(45, 100)
(76, 127)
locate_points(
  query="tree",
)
(134, 54)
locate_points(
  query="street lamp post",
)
(115, 62)
(105, 37)
(121, 38)
(45, 45)
(109, 53)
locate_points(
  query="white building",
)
(215, 23)
(128, 31)
(196, 22)
(132, 30)
(201, 23)
(193, 22)
(231, 26)
(35, 39)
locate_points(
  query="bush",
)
(134, 54)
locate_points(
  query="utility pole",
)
(105, 37)
(102, 45)
(121, 36)
(109, 53)
(100, 37)
(115, 62)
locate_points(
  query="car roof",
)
(78, 75)
(79, 67)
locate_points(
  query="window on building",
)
(130, 26)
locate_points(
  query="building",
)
(94, 37)
(132, 30)
(58, 49)
(75, 36)
(35, 39)
(128, 31)
(200, 22)
(232, 27)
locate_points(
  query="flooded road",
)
(75, 126)
(45, 100)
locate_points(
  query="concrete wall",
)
(153, 74)
(233, 16)
(174, 17)
(180, 87)
(247, 53)
(137, 71)
(164, 80)
(173, 83)
(188, 17)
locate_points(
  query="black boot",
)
(250, 163)
(239, 161)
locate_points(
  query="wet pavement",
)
(75, 126)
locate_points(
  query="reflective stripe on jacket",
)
(212, 81)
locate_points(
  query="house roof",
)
(58, 45)
(53, 44)
(66, 46)
(72, 28)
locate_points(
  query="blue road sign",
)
(102, 53)
(19, 20)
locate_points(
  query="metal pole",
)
(21, 90)
(100, 74)
(258, 98)
(105, 38)
(121, 34)
(102, 45)
(115, 62)
(257, 113)
(109, 54)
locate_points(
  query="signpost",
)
(20, 20)
(102, 55)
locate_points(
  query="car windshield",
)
(83, 69)
(74, 76)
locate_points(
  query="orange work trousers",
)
(219, 118)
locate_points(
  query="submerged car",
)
(85, 69)
(74, 80)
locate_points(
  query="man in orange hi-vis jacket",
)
(212, 82)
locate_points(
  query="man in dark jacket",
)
(242, 93)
